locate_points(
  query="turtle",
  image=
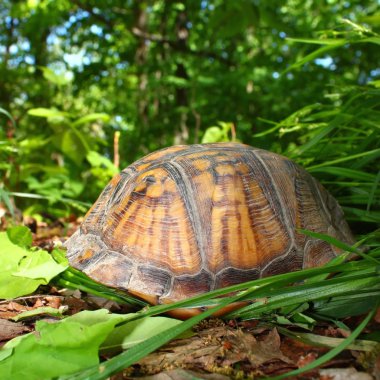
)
(189, 219)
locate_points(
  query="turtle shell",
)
(189, 219)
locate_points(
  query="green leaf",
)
(10, 256)
(38, 265)
(217, 133)
(59, 348)
(90, 118)
(47, 112)
(44, 310)
(21, 236)
(142, 349)
(74, 146)
(176, 81)
(97, 160)
(134, 332)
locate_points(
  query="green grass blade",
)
(375, 153)
(313, 55)
(332, 353)
(325, 341)
(272, 301)
(339, 244)
(4, 195)
(345, 172)
(373, 191)
(9, 116)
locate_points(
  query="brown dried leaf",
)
(343, 374)
(219, 347)
(180, 374)
(9, 330)
(306, 359)
(11, 309)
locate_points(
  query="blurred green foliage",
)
(87, 87)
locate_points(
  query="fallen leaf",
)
(344, 374)
(207, 350)
(11, 309)
(181, 374)
(307, 359)
(9, 330)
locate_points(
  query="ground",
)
(216, 349)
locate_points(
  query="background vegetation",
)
(87, 87)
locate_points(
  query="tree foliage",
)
(88, 87)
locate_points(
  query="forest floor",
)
(216, 349)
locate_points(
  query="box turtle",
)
(188, 219)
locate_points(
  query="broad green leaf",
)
(5, 352)
(213, 134)
(10, 256)
(217, 133)
(97, 160)
(48, 113)
(59, 348)
(90, 118)
(39, 267)
(142, 349)
(21, 236)
(74, 146)
(134, 332)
